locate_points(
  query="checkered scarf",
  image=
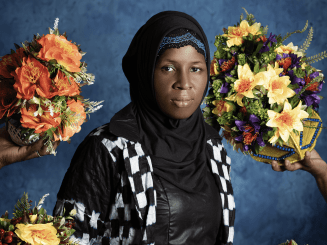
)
(133, 212)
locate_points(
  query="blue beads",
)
(182, 38)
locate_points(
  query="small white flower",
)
(51, 110)
(42, 201)
(56, 24)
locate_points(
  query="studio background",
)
(271, 207)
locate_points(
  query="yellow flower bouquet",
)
(40, 87)
(264, 94)
(35, 226)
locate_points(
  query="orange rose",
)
(77, 120)
(31, 75)
(63, 86)
(8, 99)
(11, 60)
(39, 123)
(58, 48)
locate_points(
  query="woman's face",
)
(180, 78)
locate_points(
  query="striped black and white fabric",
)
(110, 184)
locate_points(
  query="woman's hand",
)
(10, 152)
(311, 163)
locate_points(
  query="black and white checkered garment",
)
(109, 183)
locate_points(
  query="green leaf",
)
(241, 58)
(256, 67)
(263, 69)
(42, 211)
(258, 48)
(257, 148)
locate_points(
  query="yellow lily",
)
(286, 121)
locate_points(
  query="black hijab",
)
(177, 147)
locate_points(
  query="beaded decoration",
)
(180, 38)
(289, 150)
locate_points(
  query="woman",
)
(157, 173)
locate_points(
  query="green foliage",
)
(297, 31)
(307, 42)
(22, 205)
(316, 57)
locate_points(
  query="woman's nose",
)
(183, 80)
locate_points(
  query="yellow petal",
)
(272, 114)
(239, 98)
(298, 125)
(244, 24)
(273, 139)
(33, 217)
(232, 97)
(284, 134)
(287, 106)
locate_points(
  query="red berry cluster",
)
(6, 237)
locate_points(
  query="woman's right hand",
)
(11, 153)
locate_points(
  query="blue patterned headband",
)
(180, 41)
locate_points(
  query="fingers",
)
(285, 166)
(276, 167)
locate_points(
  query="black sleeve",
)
(87, 188)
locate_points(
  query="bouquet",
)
(264, 94)
(35, 226)
(292, 242)
(40, 87)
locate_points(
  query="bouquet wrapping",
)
(40, 87)
(264, 94)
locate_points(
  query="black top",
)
(187, 218)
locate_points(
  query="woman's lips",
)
(183, 102)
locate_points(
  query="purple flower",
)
(310, 98)
(221, 61)
(224, 88)
(294, 79)
(295, 61)
(265, 48)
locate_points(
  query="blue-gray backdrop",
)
(270, 206)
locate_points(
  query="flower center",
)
(237, 32)
(244, 86)
(276, 85)
(31, 73)
(68, 49)
(62, 84)
(285, 119)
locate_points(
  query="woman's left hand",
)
(11, 153)
(311, 163)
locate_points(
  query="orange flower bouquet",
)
(40, 86)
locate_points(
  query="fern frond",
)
(316, 57)
(298, 31)
(21, 206)
(265, 30)
(241, 18)
(307, 42)
(245, 11)
(249, 17)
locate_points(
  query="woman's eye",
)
(195, 69)
(168, 68)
